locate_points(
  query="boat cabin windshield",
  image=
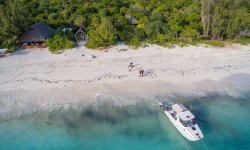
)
(188, 123)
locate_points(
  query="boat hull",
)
(182, 130)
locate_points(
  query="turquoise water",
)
(224, 120)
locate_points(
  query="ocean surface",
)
(224, 120)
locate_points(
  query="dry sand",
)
(34, 79)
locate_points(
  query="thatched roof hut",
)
(36, 35)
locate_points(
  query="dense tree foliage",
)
(61, 40)
(102, 35)
(159, 21)
(12, 23)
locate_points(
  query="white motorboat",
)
(183, 120)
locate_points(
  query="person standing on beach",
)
(130, 66)
(141, 71)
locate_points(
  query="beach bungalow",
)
(81, 34)
(36, 35)
(132, 20)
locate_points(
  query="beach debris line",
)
(123, 50)
(107, 76)
(93, 56)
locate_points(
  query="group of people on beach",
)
(141, 70)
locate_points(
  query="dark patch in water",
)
(99, 116)
(142, 126)
(140, 133)
(90, 118)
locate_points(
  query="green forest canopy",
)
(160, 21)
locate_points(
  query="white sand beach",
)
(34, 79)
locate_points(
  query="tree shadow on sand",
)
(20, 52)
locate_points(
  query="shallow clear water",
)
(224, 120)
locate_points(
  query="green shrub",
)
(103, 35)
(190, 33)
(243, 41)
(61, 41)
(11, 44)
(166, 40)
(213, 43)
(134, 42)
(11, 50)
(132, 36)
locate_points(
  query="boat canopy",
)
(179, 108)
(186, 115)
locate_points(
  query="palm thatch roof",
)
(37, 32)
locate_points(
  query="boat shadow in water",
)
(127, 121)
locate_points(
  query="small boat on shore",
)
(183, 120)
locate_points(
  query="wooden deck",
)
(34, 46)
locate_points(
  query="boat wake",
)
(204, 145)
